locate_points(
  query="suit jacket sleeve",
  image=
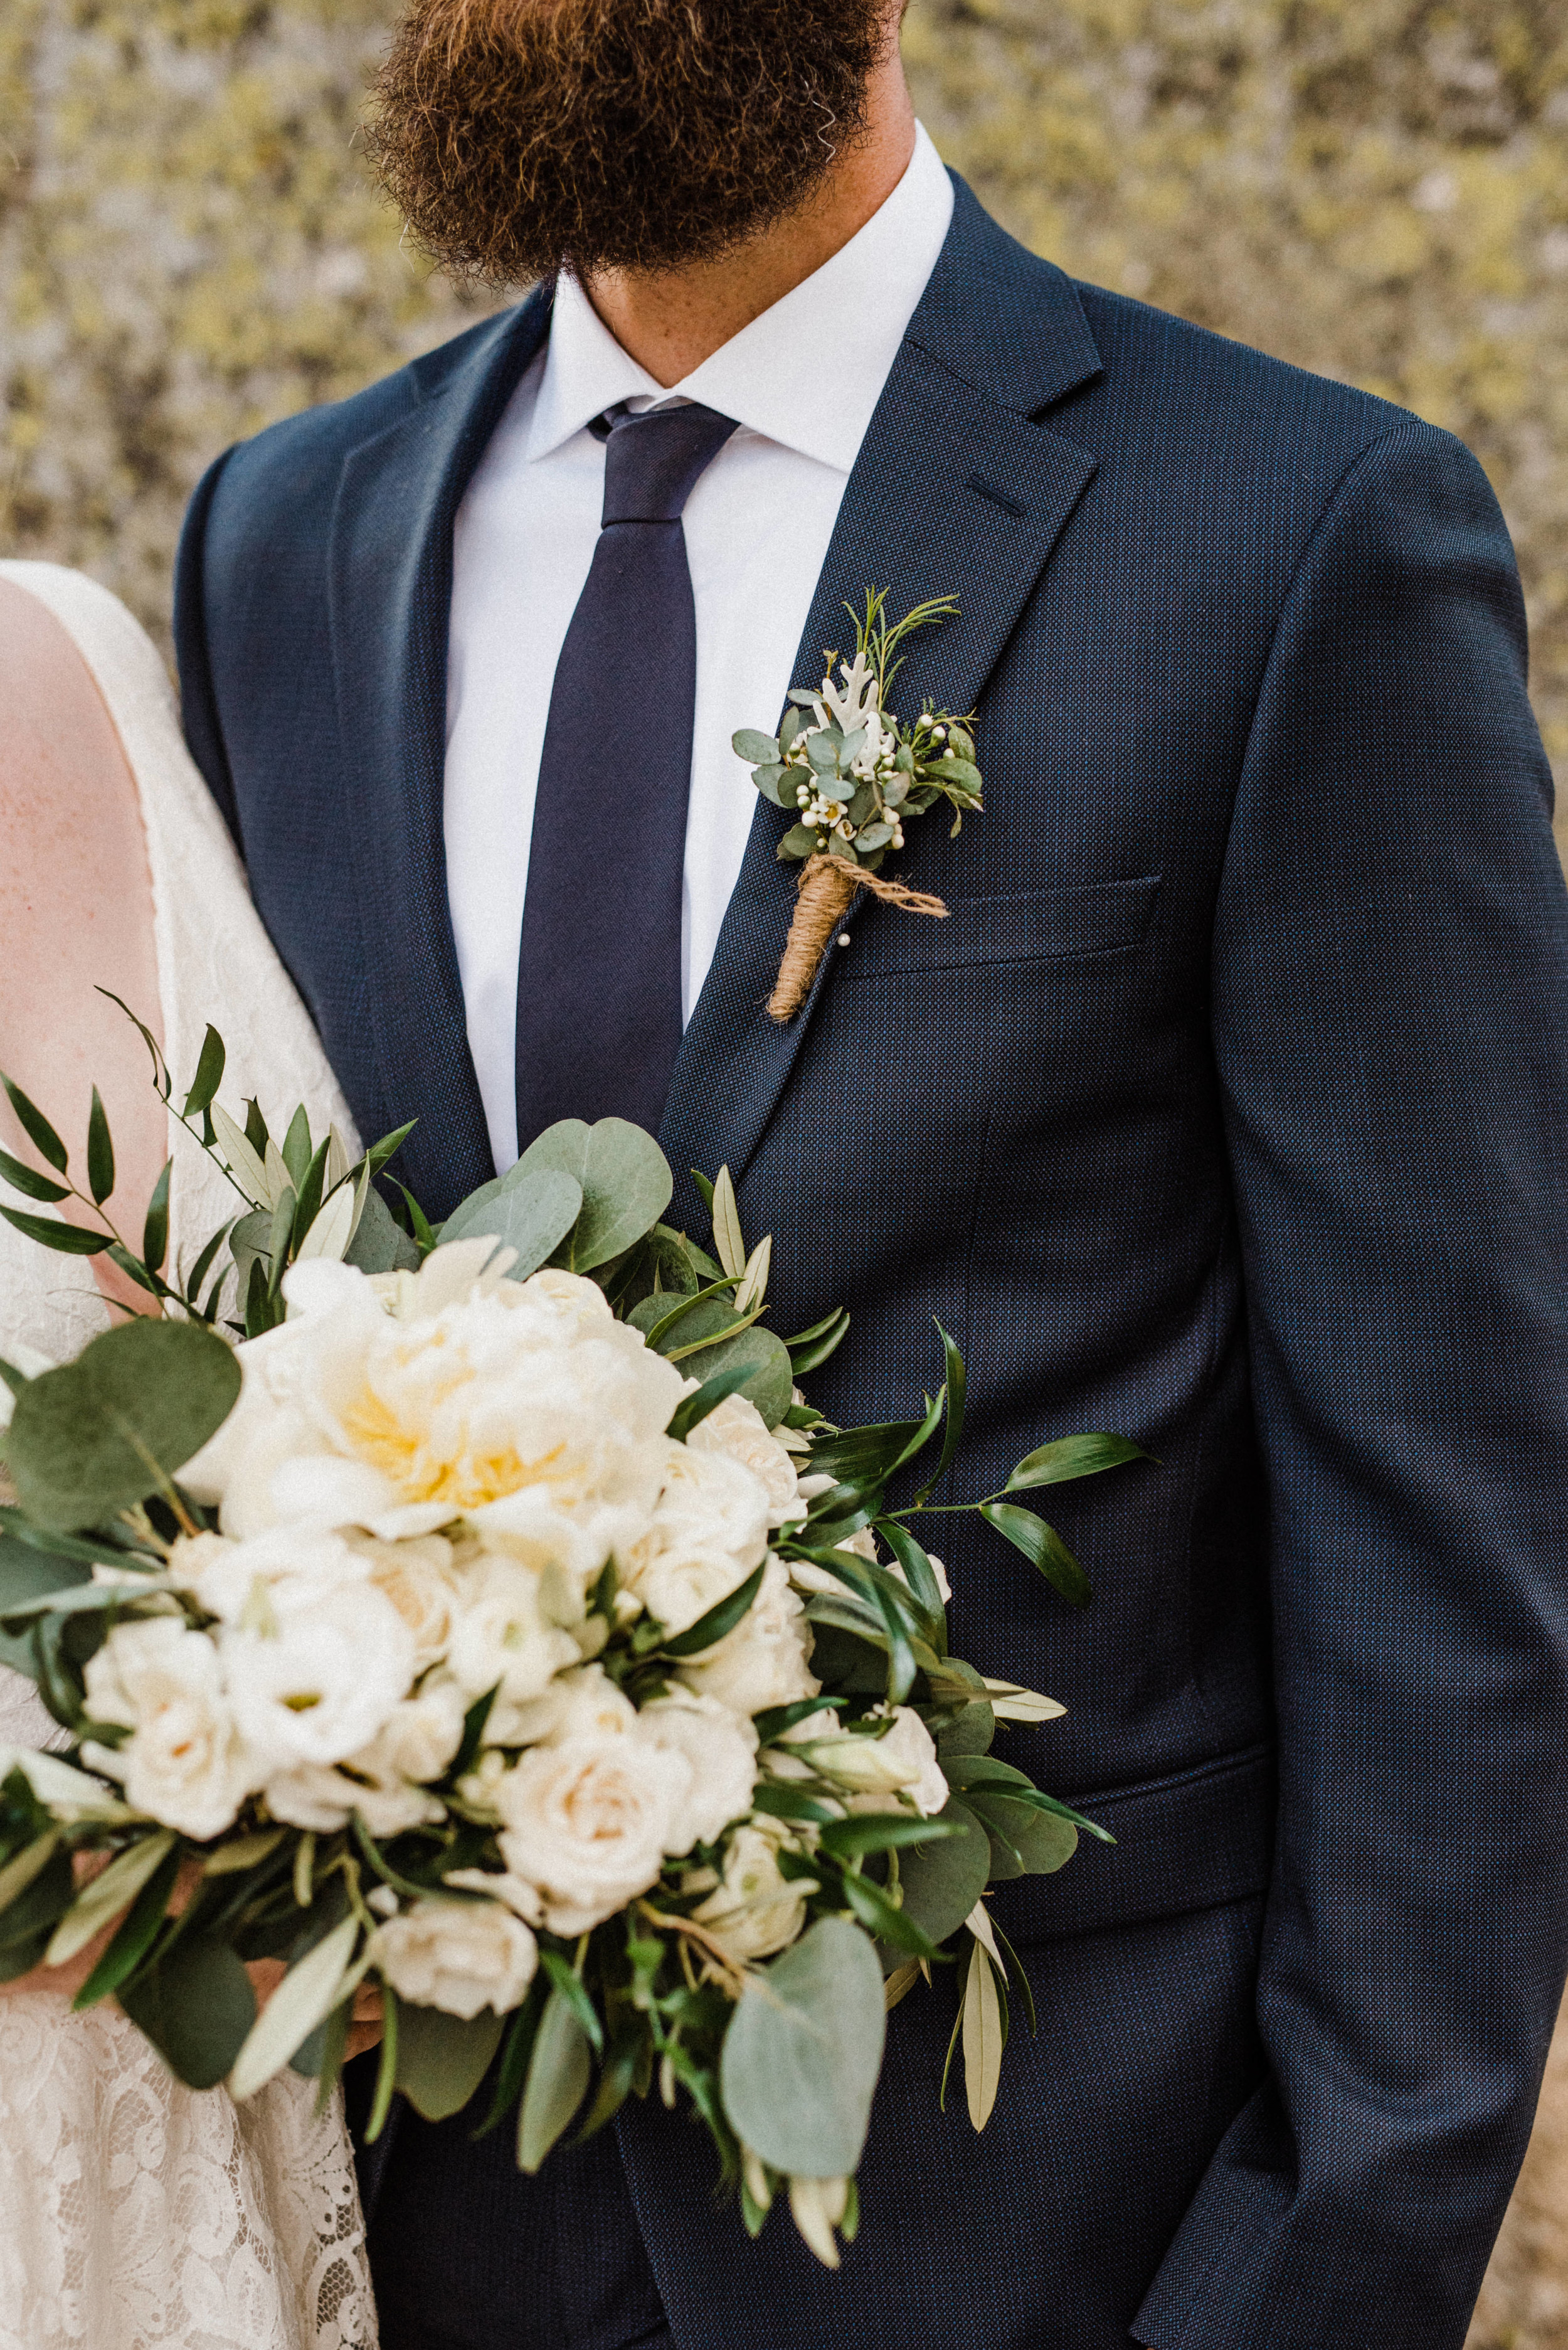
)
(1390, 1011)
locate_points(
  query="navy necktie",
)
(598, 975)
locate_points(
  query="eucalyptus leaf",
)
(770, 1381)
(442, 2058)
(803, 2051)
(196, 2005)
(379, 1244)
(779, 783)
(941, 1882)
(558, 2073)
(532, 1213)
(799, 840)
(28, 1573)
(119, 1421)
(757, 749)
(626, 1184)
(1043, 1840)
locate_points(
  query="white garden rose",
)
(509, 1629)
(765, 1661)
(583, 1703)
(459, 1956)
(587, 1822)
(708, 1531)
(736, 1429)
(901, 1761)
(418, 1578)
(721, 1749)
(253, 1582)
(317, 1679)
(756, 1909)
(185, 1764)
(419, 1738)
(398, 1405)
(315, 1796)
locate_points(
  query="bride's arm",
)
(76, 912)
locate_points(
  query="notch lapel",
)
(389, 599)
(954, 492)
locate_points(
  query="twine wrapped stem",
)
(827, 888)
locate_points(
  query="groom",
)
(1227, 1109)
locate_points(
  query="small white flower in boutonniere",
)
(853, 777)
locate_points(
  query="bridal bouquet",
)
(483, 1614)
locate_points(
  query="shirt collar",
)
(774, 377)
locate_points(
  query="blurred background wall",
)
(1376, 189)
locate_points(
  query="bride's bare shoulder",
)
(76, 895)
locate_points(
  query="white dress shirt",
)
(802, 381)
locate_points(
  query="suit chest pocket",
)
(1019, 927)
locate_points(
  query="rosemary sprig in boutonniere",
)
(853, 775)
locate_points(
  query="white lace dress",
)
(136, 2214)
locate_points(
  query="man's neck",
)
(671, 320)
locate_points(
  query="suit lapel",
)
(954, 492)
(390, 593)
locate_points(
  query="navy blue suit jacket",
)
(1227, 1109)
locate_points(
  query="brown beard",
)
(520, 137)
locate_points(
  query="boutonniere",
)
(854, 778)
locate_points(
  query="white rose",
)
(756, 1909)
(418, 1737)
(417, 1577)
(320, 1682)
(737, 1429)
(707, 1534)
(722, 1749)
(902, 1760)
(584, 1703)
(314, 1795)
(509, 1630)
(459, 1956)
(251, 1583)
(185, 1764)
(587, 1823)
(765, 1661)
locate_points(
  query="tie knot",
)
(653, 463)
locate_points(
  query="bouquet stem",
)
(827, 888)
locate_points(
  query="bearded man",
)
(1224, 1109)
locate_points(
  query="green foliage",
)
(116, 1423)
(801, 2055)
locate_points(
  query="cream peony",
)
(756, 1909)
(737, 1430)
(721, 1748)
(588, 1822)
(459, 1956)
(765, 1661)
(401, 1404)
(185, 1764)
(316, 1678)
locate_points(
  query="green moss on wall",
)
(1377, 189)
